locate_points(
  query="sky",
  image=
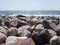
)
(29, 4)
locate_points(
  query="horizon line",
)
(28, 10)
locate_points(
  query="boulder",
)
(49, 25)
(12, 31)
(39, 26)
(20, 16)
(57, 29)
(14, 22)
(7, 24)
(3, 44)
(41, 37)
(55, 21)
(45, 36)
(24, 27)
(31, 22)
(52, 32)
(24, 31)
(2, 38)
(12, 40)
(3, 30)
(21, 23)
(54, 40)
(59, 40)
(1, 20)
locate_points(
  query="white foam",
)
(33, 15)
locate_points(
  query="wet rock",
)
(33, 27)
(5, 27)
(46, 25)
(52, 17)
(49, 25)
(36, 38)
(55, 21)
(34, 19)
(52, 32)
(7, 17)
(47, 44)
(27, 41)
(24, 31)
(20, 16)
(39, 26)
(3, 44)
(31, 17)
(24, 27)
(52, 25)
(1, 20)
(12, 40)
(7, 23)
(57, 29)
(12, 31)
(39, 21)
(59, 40)
(44, 34)
(21, 23)
(3, 30)
(2, 38)
(41, 37)
(23, 18)
(30, 22)
(14, 22)
(54, 40)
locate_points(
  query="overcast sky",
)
(29, 4)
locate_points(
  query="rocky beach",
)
(29, 30)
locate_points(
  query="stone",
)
(19, 41)
(2, 38)
(39, 26)
(49, 25)
(52, 32)
(14, 22)
(54, 40)
(24, 31)
(41, 37)
(3, 30)
(12, 31)
(11, 39)
(21, 23)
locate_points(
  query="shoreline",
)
(30, 15)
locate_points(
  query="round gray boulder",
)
(3, 30)
(24, 31)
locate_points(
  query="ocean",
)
(32, 12)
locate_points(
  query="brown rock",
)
(52, 32)
(20, 41)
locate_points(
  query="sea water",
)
(31, 12)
